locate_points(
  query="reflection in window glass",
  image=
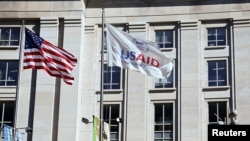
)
(216, 36)
(163, 128)
(9, 107)
(8, 73)
(164, 38)
(110, 113)
(112, 77)
(217, 112)
(217, 73)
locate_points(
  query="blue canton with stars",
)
(32, 40)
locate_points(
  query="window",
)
(163, 127)
(164, 82)
(9, 36)
(217, 112)
(217, 73)
(216, 36)
(8, 73)
(112, 77)
(7, 111)
(110, 114)
(164, 38)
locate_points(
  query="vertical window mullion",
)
(6, 74)
(216, 36)
(217, 74)
(10, 36)
(110, 113)
(164, 39)
(217, 111)
(111, 77)
(163, 118)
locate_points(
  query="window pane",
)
(163, 121)
(111, 77)
(220, 43)
(3, 70)
(212, 111)
(9, 111)
(168, 127)
(15, 35)
(217, 73)
(211, 34)
(168, 38)
(164, 38)
(158, 128)
(8, 73)
(114, 136)
(221, 33)
(12, 73)
(5, 33)
(158, 114)
(158, 135)
(115, 77)
(212, 84)
(217, 112)
(114, 128)
(223, 110)
(4, 43)
(216, 36)
(9, 36)
(168, 135)
(211, 70)
(168, 113)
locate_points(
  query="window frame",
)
(111, 83)
(217, 40)
(218, 118)
(215, 24)
(6, 80)
(161, 27)
(110, 120)
(9, 111)
(165, 35)
(206, 85)
(9, 40)
(173, 117)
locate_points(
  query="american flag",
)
(40, 54)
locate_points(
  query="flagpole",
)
(101, 81)
(19, 77)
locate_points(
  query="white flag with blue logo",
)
(126, 51)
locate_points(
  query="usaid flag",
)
(126, 51)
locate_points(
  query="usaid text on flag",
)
(133, 56)
(133, 53)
